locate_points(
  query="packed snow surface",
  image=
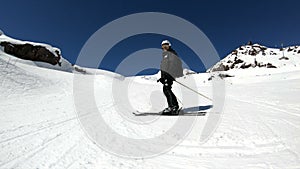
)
(40, 127)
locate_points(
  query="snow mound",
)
(252, 56)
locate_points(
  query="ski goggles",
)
(165, 46)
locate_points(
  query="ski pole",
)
(194, 90)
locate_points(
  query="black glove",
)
(172, 78)
(167, 76)
(162, 80)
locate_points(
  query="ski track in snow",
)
(39, 127)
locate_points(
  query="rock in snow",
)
(32, 52)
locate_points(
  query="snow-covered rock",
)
(252, 56)
(188, 72)
(32, 53)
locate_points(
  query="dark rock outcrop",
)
(245, 66)
(31, 52)
(250, 43)
(221, 67)
(235, 52)
(80, 70)
(237, 61)
(253, 52)
(222, 76)
(284, 58)
(269, 65)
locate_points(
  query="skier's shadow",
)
(197, 108)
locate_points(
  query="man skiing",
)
(171, 68)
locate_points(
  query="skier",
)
(171, 68)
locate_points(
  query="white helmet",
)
(165, 42)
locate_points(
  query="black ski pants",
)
(171, 98)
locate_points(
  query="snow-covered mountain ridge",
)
(258, 56)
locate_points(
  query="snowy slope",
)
(257, 56)
(39, 126)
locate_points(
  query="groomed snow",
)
(39, 127)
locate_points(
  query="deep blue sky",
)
(228, 24)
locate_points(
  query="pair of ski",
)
(181, 112)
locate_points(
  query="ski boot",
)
(166, 111)
(175, 110)
(171, 111)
